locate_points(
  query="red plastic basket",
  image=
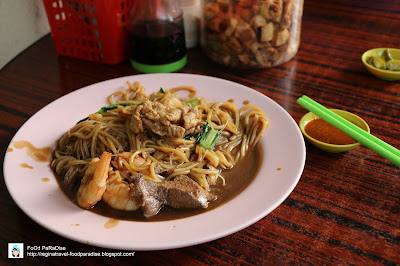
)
(94, 30)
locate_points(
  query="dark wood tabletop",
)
(345, 208)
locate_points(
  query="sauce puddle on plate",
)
(25, 165)
(111, 223)
(38, 154)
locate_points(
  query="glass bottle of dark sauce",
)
(156, 36)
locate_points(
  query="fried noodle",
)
(112, 131)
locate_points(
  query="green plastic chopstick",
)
(369, 140)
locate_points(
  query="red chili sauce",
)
(321, 130)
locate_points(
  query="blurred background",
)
(21, 24)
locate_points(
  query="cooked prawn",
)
(93, 183)
(118, 194)
(139, 162)
(133, 162)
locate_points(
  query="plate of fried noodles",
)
(154, 161)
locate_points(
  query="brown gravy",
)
(237, 179)
(38, 154)
(25, 165)
(111, 223)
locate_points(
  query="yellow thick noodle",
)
(110, 131)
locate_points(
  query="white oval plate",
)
(46, 204)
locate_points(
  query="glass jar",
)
(251, 33)
(192, 12)
(156, 36)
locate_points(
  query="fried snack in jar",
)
(251, 33)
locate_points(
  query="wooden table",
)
(345, 208)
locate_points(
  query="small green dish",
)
(333, 147)
(380, 73)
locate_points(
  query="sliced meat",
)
(170, 130)
(167, 117)
(171, 101)
(174, 114)
(136, 124)
(182, 192)
(191, 120)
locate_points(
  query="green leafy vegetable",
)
(194, 101)
(188, 136)
(80, 121)
(161, 90)
(208, 137)
(112, 106)
(105, 109)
